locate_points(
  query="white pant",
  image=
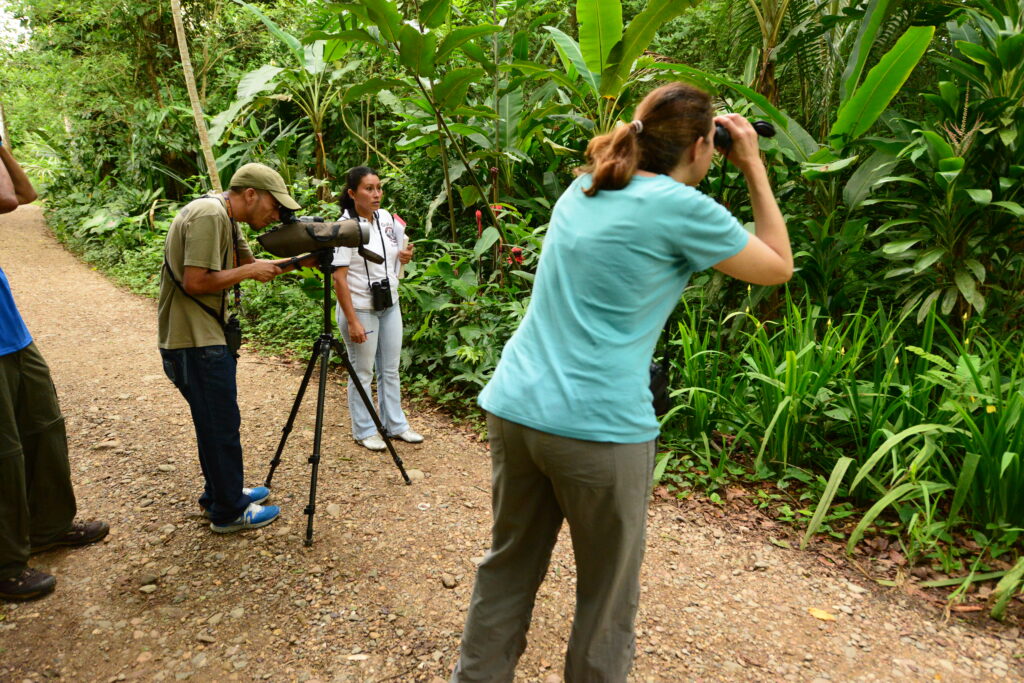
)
(382, 349)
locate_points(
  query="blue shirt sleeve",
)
(710, 233)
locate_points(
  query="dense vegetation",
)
(885, 380)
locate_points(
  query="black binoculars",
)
(723, 140)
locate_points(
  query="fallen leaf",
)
(358, 658)
(820, 614)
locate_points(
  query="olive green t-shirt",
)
(199, 236)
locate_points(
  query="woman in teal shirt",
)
(570, 420)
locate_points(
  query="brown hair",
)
(671, 118)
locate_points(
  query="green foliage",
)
(891, 404)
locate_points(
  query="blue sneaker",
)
(257, 494)
(253, 517)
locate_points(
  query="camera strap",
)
(383, 248)
(218, 317)
(234, 248)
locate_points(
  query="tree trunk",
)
(193, 95)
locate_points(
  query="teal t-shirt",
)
(612, 269)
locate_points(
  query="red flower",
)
(517, 255)
(479, 223)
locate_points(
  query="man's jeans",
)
(205, 376)
(381, 351)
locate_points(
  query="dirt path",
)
(165, 599)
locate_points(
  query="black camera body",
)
(233, 334)
(380, 294)
(723, 140)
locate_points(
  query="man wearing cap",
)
(205, 255)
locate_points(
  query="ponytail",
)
(668, 121)
(613, 159)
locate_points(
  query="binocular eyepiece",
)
(723, 140)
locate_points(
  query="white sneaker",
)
(374, 443)
(409, 436)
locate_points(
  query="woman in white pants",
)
(368, 312)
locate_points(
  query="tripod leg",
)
(295, 409)
(314, 459)
(369, 406)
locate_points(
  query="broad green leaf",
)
(874, 14)
(477, 54)
(866, 176)
(434, 12)
(313, 57)
(600, 28)
(510, 109)
(928, 258)
(255, 82)
(946, 178)
(983, 197)
(900, 246)
(453, 87)
(459, 37)
(1012, 207)
(951, 164)
(937, 146)
(979, 55)
(570, 53)
(636, 39)
(814, 171)
(927, 304)
(948, 300)
(487, 239)
(385, 16)
(416, 51)
(968, 286)
(882, 83)
(976, 268)
(884, 227)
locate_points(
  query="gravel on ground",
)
(381, 595)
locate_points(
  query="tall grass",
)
(913, 419)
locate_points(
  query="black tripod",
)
(322, 350)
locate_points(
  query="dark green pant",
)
(601, 490)
(37, 502)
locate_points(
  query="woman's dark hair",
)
(354, 176)
(672, 118)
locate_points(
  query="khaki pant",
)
(37, 502)
(601, 489)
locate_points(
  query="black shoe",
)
(80, 533)
(28, 585)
